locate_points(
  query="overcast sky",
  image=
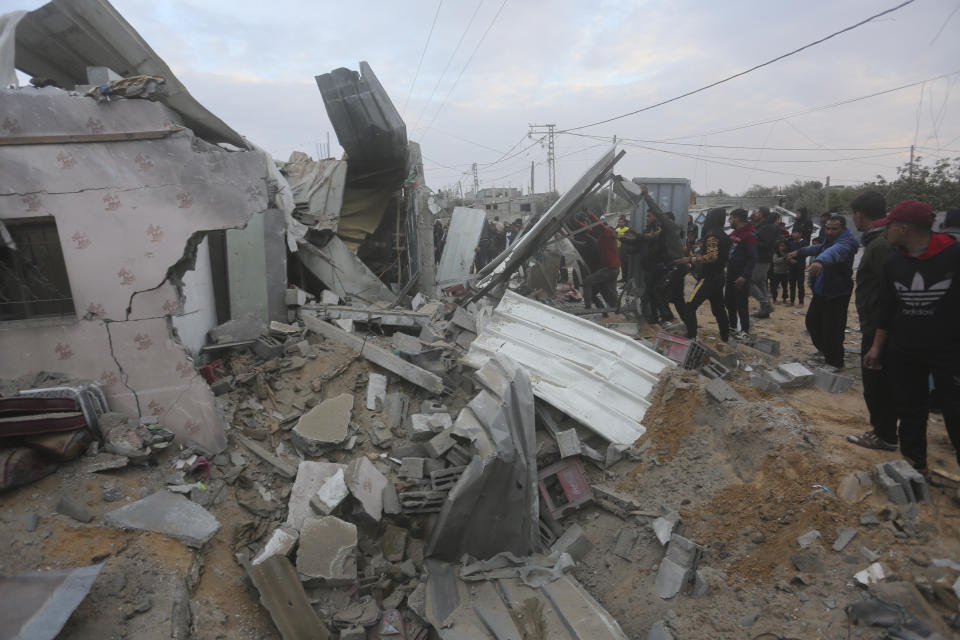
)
(572, 63)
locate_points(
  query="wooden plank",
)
(417, 375)
(80, 138)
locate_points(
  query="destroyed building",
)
(238, 400)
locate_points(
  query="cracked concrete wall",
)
(128, 215)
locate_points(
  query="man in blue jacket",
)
(832, 274)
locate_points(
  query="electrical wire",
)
(730, 146)
(422, 54)
(751, 69)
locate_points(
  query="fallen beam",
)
(376, 355)
(283, 596)
(284, 469)
(389, 317)
(342, 271)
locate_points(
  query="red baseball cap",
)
(910, 212)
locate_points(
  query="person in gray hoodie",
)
(832, 272)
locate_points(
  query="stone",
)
(722, 392)
(376, 392)
(808, 538)
(366, 484)
(895, 491)
(440, 443)
(807, 561)
(659, 631)
(663, 527)
(405, 344)
(574, 541)
(331, 493)
(844, 536)
(849, 489)
(169, 514)
(281, 543)
(327, 551)
(394, 543)
(112, 494)
(310, 477)
(411, 468)
(324, 426)
(73, 508)
(424, 426)
(391, 500)
(626, 539)
(30, 521)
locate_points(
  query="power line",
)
(447, 66)
(422, 54)
(728, 146)
(742, 73)
(473, 53)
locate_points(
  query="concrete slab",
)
(281, 543)
(406, 344)
(169, 514)
(376, 392)
(324, 426)
(366, 484)
(310, 477)
(331, 493)
(283, 596)
(327, 552)
(671, 579)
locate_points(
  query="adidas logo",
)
(920, 300)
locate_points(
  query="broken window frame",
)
(25, 269)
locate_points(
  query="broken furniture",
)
(564, 487)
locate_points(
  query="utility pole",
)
(476, 183)
(911, 162)
(550, 130)
(828, 194)
(328, 144)
(610, 191)
(318, 152)
(532, 190)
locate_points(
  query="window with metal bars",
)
(33, 275)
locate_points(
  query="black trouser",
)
(605, 281)
(826, 322)
(910, 377)
(879, 394)
(736, 299)
(778, 281)
(657, 294)
(795, 278)
(708, 289)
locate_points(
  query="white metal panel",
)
(593, 374)
(466, 225)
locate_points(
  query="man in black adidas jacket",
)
(917, 325)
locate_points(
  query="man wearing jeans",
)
(917, 327)
(767, 235)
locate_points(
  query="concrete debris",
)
(353, 633)
(246, 328)
(73, 508)
(440, 443)
(282, 594)
(294, 297)
(283, 468)
(376, 392)
(678, 567)
(331, 493)
(569, 443)
(424, 426)
(876, 572)
(844, 536)
(362, 613)
(808, 538)
(797, 374)
(169, 514)
(722, 392)
(807, 561)
(664, 526)
(329, 297)
(310, 477)
(346, 325)
(366, 484)
(327, 551)
(766, 345)
(391, 500)
(37, 604)
(281, 543)
(900, 473)
(395, 409)
(283, 329)
(445, 479)
(830, 381)
(411, 468)
(325, 426)
(853, 486)
(394, 543)
(105, 462)
(422, 501)
(268, 347)
(626, 539)
(659, 631)
(406, 345)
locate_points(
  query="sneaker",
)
(870, 440)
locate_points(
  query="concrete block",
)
(894, 490)
(573, 541)
(248, 327)
(424, 426)
(664, 526)
(722, 392)
(395, 409)
(767, 345)
(671, 579)
(913, 483)
(267, 347)
(761, 379)
(310, 477)
(391, 500)
(715, 369)
(222, 385)
(411, 468)
(282, 329)
(376, 392)
(366, 484)
(344, 323)
(440, 443)
(432, 333)
(324, 426)
(464, 319)
(169, 514)
(327, 552)
(569, 443)
(684, 552)
(331, 493)
(844, 536)
(797, 374)
(329, 297)
(626, 539)
(406, 344)
(394, 543)
(831, 382)
(294, 297)
(281, 543)
(444, 479)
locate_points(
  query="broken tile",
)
(366, 484)
(327, 551)
(326, 425)
(169, 514)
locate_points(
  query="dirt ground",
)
(747, 480)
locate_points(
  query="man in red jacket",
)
(604, 278)
(917, 325)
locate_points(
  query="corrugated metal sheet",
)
(64, 37)
(466, 225)
(597, 376)
(671, 194)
